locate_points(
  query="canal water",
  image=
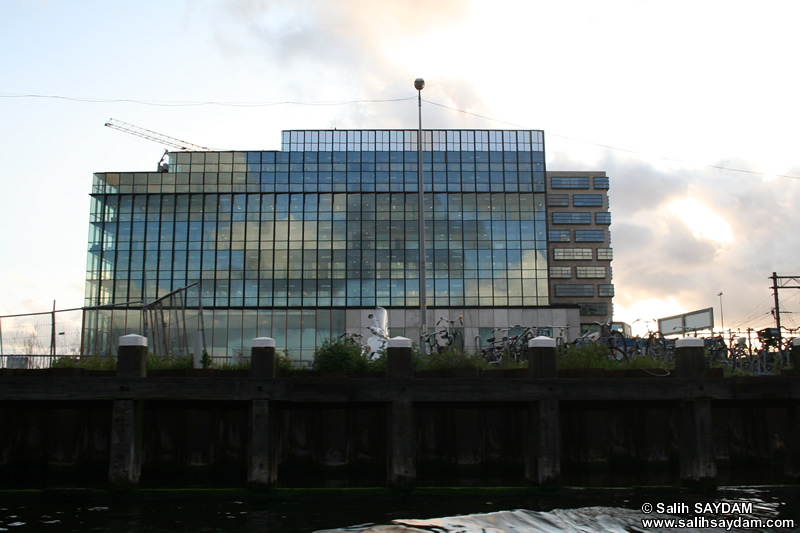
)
(578, 510)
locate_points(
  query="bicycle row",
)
(740, 353)
(508, 345)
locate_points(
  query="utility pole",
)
(777, 304)
(419, 84)
(775, 287)
(53, 332)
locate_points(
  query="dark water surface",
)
(583, 510)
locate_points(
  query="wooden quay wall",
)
(532, 427)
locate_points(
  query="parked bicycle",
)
(505, 347)
(562, 339)
(351, 338)
(446, 337)
(717, 352)
(451, 335)
(619, 349)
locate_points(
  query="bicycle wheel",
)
(491, 355)
(616, 345)
(456, 339)
(656, 347)
(769, 361)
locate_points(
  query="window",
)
(601, 183)
(560, 272)
(589, 235)
(594, 309)
(602, 218)
(605, 254)
(572, 254)
(558, 235)
(572, 218)
(574, 291)
(566, 182)
(587, 200)
(558, 200)
(590, 272)
(606, 290)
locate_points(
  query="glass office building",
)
(302, 244)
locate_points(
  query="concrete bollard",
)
(690, 358)
(795, 356)
(125, 456)
(399, 360)
(791, 465)
(697, 457)
(262, 473)
(132, 356)
(543, 466)
(542, 358)
(262, 358)
(402, 467)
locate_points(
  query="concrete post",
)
(262, 470)
(126, 417)
(132, 356)
(402, 445)
(695, 424)
(791, 465)
(399, 359)
(690, 358)
(542, 358)
(262, 358)
(544, 453)
(795, 356)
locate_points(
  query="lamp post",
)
(721, 316)
(419, 84)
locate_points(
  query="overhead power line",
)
(166, 103)
(618, 149)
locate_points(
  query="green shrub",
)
(452, 357)
(284, 362)
(597, 355)
(340, 355)
(87, 363)
(161, 362)
(592, 355)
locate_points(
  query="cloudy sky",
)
(689, 106)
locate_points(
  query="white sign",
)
(680, 324)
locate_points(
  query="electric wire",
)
(758, 312)
(618, 149)
(166, 103)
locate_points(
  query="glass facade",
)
(282, 243)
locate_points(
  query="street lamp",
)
(419, 84)
(721, 316)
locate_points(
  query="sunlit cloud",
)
(643, 315)
(701, 220)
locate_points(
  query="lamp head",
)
(419, 84)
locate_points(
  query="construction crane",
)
(163, 166)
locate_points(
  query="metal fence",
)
(34, 340)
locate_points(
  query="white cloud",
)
(612, 74)
(701, 220)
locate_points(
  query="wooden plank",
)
(261, 472)
(126, 438)
(402, 444)
(773, 390)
